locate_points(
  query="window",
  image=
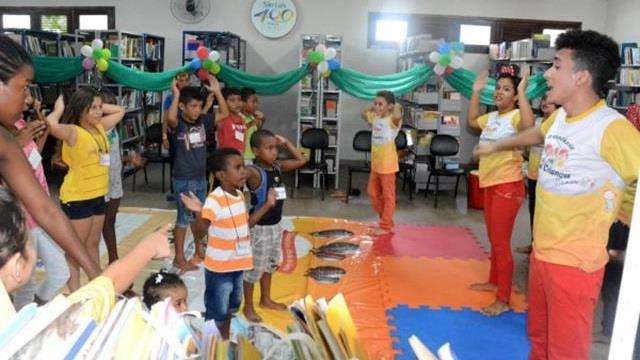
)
(16, 21)
(475, 34)
(94, 22)
(554, 34)
(391, 30)
(55, 23)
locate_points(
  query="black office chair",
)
(361, 143)
(405, 168)
(443, 145)
(153, 152)
(317, 139)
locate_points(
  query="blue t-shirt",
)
(190, 140)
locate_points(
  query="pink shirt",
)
(33, 155)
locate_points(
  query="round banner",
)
(273, 18)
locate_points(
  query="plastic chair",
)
(361, 143)
(153, 153)
(316, 139)
(443, 145)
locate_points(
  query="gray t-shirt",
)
(190, 161)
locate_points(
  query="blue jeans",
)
(198, 187)
(222, 294)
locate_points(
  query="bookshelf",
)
(319, 105)
(232, 48)
(625, 89)
(153, 55)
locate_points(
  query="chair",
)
(405, 168)
(316, 139)
(361, 143)
(443, 145)
(153, 153)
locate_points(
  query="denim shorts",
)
(83, 209)
(222, 294)
(198, 187)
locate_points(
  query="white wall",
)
(622, 20)
(343, 17)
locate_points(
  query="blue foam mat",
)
(471, 334)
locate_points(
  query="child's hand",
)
(522, 87)
(281, 140)
(159, 242)
(37, 105)
(174, 88)
(259, 115)
(484, 149)
(137, 160)
(214, 84)
(271, 198)
(33, 130)
(481, 81)
(59, 105)
(191, 202)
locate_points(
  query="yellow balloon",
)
(326, 74)
(102, 65)
(215, 68)
(106, 54)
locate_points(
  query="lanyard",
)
(103, 138)
(231, 213)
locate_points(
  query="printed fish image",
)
(330, 233)
(328, 256)
(340, 247)
(326, 274)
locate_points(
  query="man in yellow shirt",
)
(591, 155)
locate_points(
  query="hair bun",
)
(509, 70)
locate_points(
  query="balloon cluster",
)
(447, 58)
(95, 56)
(206, 62)
(324, 60)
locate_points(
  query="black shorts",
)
(83, 209)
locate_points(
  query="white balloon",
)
(439, 69)
(434, 56)
(214, 55)
(321, 48)
(330, 53)
(457, 62)
(323, 67)
(97, 44)
(86, 50)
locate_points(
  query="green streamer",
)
(52, 69)
(136, 79)
(263, 85)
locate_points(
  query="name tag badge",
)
(195, 138)
(281, 192)
(105, 160)
(243, 248)
(35, 158)
(239, 135)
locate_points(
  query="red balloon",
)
(449, 70)
(203, 53)
(314, 66)
(203, 74)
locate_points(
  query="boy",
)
(591, 154)
(189, 175)
(231, 128)
(264, 181)
(253, 119)
(228, 249)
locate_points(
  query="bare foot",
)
(251, 315)
(270, 304)
(495, 309)
(483, 287)
(524, 249)
(377, 231)
(184, 266)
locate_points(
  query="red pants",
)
(501, 204)
(382, 192)
(562, 300)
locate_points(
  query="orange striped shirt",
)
(229, 245)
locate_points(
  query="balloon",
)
(434, 56)
(214, 55)
(106, 54)
(314, 66)
(444, 60)
(102, 65)
(202, 52)
(215, 68)
(326, 74)
(88, 63)
(86, 50)
(439, 69)
(196, 64)
(207, 64)
(323, 67)
(458, 47)
(97, 54)
(334, 64)
(444, 48)
(330, 53)
(321, 48)
(316, 57)
(203, 74)
(457, 62)
(97, 44)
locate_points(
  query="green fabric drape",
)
(365, 86)
(263, 84)
(51, 69)
(136, 79)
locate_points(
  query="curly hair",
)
(13, 228)
(594, 52)
(156, 285)
(13, 58)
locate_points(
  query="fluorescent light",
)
(391, 30)
(475, 34)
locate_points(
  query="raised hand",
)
(481, 81)
(522, 87)
(281, 140)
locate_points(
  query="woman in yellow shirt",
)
(85, 150)
(501, 176)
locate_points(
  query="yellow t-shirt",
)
(535, 152)
(384, 156)
(87, 178)
(248, 151)
(504, 166)
(588, 162)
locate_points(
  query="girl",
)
(385, 117)
(501, 176)
(85, 150)
(16, 73)
(162, 285)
